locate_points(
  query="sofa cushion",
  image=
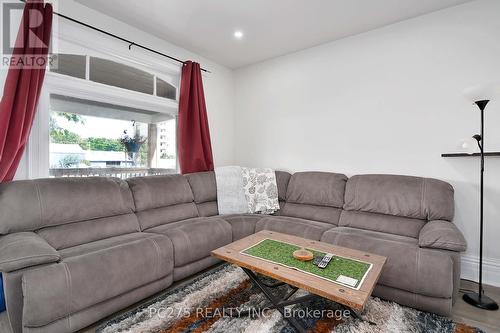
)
(282, 180)
(158, 216)
(442, 235)
(397, 225)
(317, 196)
(293, 226)
(317, 188)
(33, 204)
(162, 199)
(25, 249)
(206, 209)
(242, 225)
(205, 192)
(160, 191)
(203, 186)
(325, 214)
(73, 234)
(100, 245)
(408, 267)
(195, 238)
(413, 197)
(93, 275)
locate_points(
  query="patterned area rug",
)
(198, 307)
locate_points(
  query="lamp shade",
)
(482, 92)
(470, 146)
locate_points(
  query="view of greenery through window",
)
(99, 143)
(62, 135)
(70, 138)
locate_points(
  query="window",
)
(114, 74)
(69, 64)
(164, 89)
(122, 76)
(89, 138)
(97, 80)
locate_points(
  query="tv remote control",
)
(317, 260)
(326, 260)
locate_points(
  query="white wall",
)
(218, 85)
(386, 101)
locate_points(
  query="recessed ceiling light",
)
(238, 34)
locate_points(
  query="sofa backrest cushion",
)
(68, 235)
(204, 189)
(315, 196)
(396, 204)
(162, 199)
(396, 225)
(29, 205)
(407, 196)
(282, 180)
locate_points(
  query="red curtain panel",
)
(194, 146)
(23, 85)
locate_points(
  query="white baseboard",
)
(491, 270)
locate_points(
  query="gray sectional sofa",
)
(74, 250)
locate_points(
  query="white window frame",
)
(78, 40)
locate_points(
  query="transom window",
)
(112, 73)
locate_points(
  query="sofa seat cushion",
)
(93, 273)
(408, 267)
(194, 239)
(293, 226)
(242, 225)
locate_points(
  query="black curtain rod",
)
(130, 43)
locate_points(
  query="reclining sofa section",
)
(75, 250)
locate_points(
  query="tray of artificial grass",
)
(282, 253)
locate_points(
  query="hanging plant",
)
(133, 143)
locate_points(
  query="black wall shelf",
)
(491, 154)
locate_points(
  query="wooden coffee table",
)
(351, 299)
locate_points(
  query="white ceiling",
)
(271, 27)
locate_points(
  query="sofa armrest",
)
(25, 249)
(442, 235)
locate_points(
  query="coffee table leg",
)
(277, 303)
(280, 304)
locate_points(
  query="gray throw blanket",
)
(230, 193)
(246, 190)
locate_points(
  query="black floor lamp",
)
(479, 299)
